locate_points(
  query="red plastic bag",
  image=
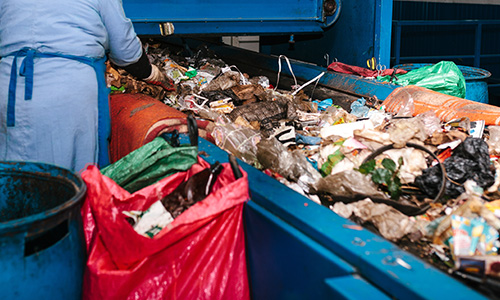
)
(349, 69)
(200, 255)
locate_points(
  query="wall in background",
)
(450, 40)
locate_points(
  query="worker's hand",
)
(159, 78)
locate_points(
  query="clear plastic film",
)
(494, 140)
(392, 224)
(291, 165)
(349, 183)
(239, 140)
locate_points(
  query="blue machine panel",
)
(232, 17)
(362, 31)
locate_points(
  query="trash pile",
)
(429, 186)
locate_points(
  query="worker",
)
(53, 96)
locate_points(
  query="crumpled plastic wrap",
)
(349, 183)
(392, 224)
(336, 115)
(291, 165)
(406, 106)
(372, 138)
(494, 140)
(239, 140)
(430, 121)
(353, 153)
(402, 131)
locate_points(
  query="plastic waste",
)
(494, 139)
(392, 224)
(337, 115)
(332, 160)
(402, 131)
(345, 130)
(324, 104)
(405, 106)
(481, 266)
(206, 241)
(151, 221)
(430, 121)
(348, 184)
(472, 206)
(223, 82)
(308, 140)
(161, 213)
(236, 139)
(261, 80)
(470, 160)
(291, 165)
(414, 161)
(444, 77)
(248, 93)
(359, 109)
(260, 111)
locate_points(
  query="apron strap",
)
(27, 69)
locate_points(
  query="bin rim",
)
(20, 224)
(470, 73)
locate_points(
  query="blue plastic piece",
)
(308, 140)
(359, 109)
(476, 86)
(385, 266)
(41, 239)
(232, 17)
(323, 105)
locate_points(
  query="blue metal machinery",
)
(233, 17)
(297, 249)
(363, 30)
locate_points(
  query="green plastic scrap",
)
(120, 89)
(444, 77)
(331, 161)
(191, 72)
(150, 163)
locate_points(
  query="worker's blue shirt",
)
(59, 123)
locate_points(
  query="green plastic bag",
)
(444, 77)
(150, 163)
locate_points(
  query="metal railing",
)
(477, 55)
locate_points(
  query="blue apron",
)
(26, 70)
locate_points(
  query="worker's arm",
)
(141, 69)
(125, 48)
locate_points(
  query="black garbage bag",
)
(470, 160)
